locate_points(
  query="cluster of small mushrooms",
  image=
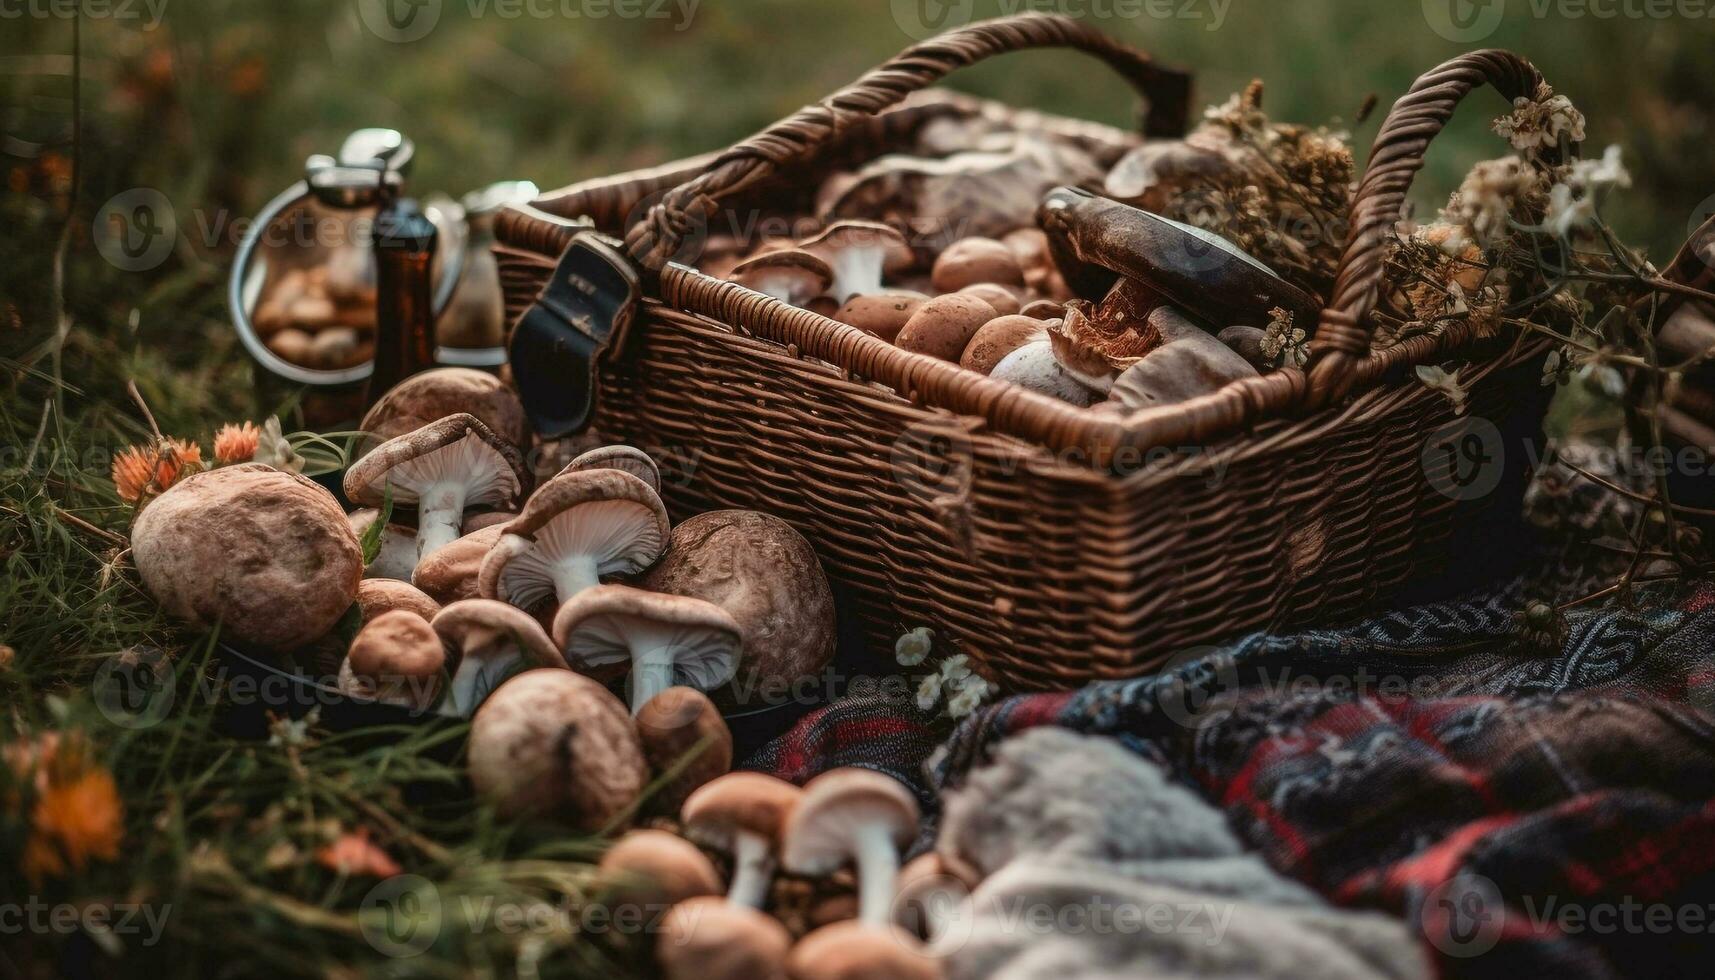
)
(321, 316)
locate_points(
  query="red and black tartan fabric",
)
(1534, 803)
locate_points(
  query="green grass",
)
(218, 107)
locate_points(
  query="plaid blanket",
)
(1532, 796)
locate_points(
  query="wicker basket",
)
(1053, 544)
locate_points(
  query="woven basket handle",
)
(1342, 341)
(799, 136)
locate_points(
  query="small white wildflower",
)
(292, 732)
(914, 646)
(1540, 122)
(929, 692)
(1572, 203)
(1446, 382)
(956, 668)
(273, 449)
(963, 703)
(1568, 211)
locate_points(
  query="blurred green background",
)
(216, 102)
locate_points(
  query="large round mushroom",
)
(555, 744)
(264, 553)
(766, 575)
(439, 392)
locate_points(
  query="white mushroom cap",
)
(493, 639)
(859, 253)
(852, 815)
(576, 528)
(555, 743)
(670, 640)
(625, 458)
(440, 469)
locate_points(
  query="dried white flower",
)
(1572, 203)
(929, 692)
(956, 668)
(1447, 382)
(969, 697)
(1282, 343)
(273, 449)
(913, 647)
(1540, 122)
(1486, 199)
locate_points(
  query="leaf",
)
(371, 540)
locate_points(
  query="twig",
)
(148, 416)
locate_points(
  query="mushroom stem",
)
(752, 867)
(573, 575)
(440, 512)
(474, 670)
(651, 673)
(857, 270)
(877, 867)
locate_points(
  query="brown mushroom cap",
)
(926, 893)
(266, 554)
(376, 596)
(883, 314)
(627, 459)
(969, 261)
(680, 728)
(670, 640)
(455, 447)
(1004, 300)
(819, 834)
(1034, 366)
(998, 338)
(655, 868)
(762, 572)
(855, 951)
(860, 254)
(1191, 363)
(789, 275)
(710, 939)
(556, 744)
(449, 573)
(490, 638)
(396, 658)
(575, 528)
(944, 325)
(439, 392)
(739, 802)
(1044, 309)
(1030, 247)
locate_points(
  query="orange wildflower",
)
(236, 443)
(138, 471)
(77, 815)
(353, 854)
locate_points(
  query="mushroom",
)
(653, 868)
(1151, 175)
(554, 743)
(762, 572)
(944, 325)
(789, 275)
(398, 552)
(882, 314)
(1247, 342)
(336, 347)
(1189, 363)
(625, 458)
(928, 894)
(708, 939)
(970, 261)
(681, 729)
(852, 815)
(1196, 270)
(742, 814)
(998, 338)
(1096, 349)
(439, 392)
(441, 469)
(376, 596)
(264, 553)
(1030, 247)
(1034, 366)
(395, 659)
(574, 529)
(855, 950)
(292, 345)
(860, 254)
(1044, 309)
(669, 640)
(1004, 300)
(492, 639)
(450, 573)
